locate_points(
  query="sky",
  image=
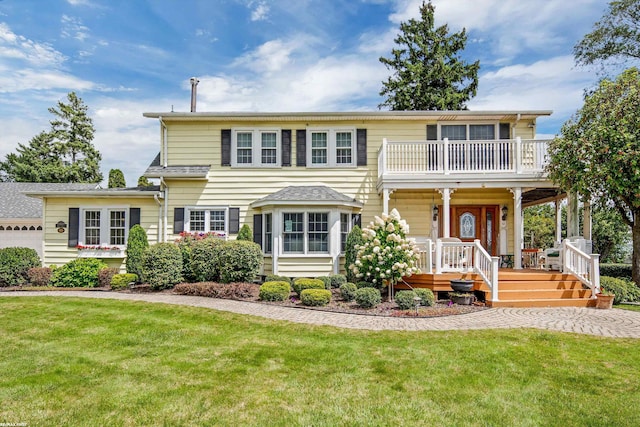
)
(127, 57)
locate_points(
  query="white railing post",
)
(445, 155)
(438, 256)
(518, 155)
(382, 163)
(595, 274)
(495, 262)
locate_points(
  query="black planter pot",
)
(462, 285)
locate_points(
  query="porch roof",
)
(307, 195)
(156, 170)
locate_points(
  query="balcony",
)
(517, 159)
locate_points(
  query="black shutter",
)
(234, 220)
(134, 217)
(74, 227)
(432, 132)
(257, 229)
(356, 219)
(178, 220)
(301, 147)
(225, 152)
(286, 147)
(505, 131)
(361, 146)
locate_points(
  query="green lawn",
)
(67, 361)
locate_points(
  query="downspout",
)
(160, 218)
(164, 185)
(163, 140)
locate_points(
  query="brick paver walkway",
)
(608, 323)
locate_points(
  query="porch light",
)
(435, 213)
(505, 210)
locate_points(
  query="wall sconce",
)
(435, 213)
(61, 225)
(505, 210)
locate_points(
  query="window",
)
(207, 220)
(268, 233)
(305, 232)
(104, 226)
(293, 233)
(345, 228)
(468, 132)
(454, 132)
(331, 147)
(255, 148)
(318, 226)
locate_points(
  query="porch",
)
(442, 261)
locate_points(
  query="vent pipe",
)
(194, 84)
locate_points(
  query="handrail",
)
(487, 267)
(585, 267)
(453, 256)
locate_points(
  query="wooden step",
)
(522, 294)
(576, 302)
(509, 285)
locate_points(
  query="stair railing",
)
(486, 267)
(585, 267)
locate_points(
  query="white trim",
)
(332, 161)
(105, 225)
(207, 218)
(256, 147)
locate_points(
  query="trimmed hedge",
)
(39, 276)
(427, 297)
(302, 283)
(276, 278)
(404, 299)
(621, 271)
(121, 281)
(15, 264)
(79, 273)
(274, 291)
(217, 290)
(326, 280)
(239, 261)
(162, 265)
(624, 290)
(348, 291)
(368, 297)
(315, 297)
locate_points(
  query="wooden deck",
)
(516, 288)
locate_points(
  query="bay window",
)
(305, 232)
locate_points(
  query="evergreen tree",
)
(245, 233)
(144, 182)
(428, 72)
(64, 154)
(116, 179)
(137, 244)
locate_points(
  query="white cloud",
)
(73, 28)
(260, 10)
(15, 47)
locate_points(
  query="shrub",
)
(348, 291)
(326, 280)
(79, 273)
(239, 290)
(404, 299)
(15, 263)
(204, 259)
(276, 278)
(121, 281)
(620, 271)
(302, 283)
(354, 240)
(245, 233)
(162, 265)
(364, 284)
(239, 261)
(274, 291)
(137, 243)
(315, 297)
(105, 275)
(623, 290)
(427, 297)
(337, 280)
(368, 297)
(39, 276)
(186, 243)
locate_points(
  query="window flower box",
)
(89, 251)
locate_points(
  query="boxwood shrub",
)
(368, 297)
(300, 284)
(623, 290)
(15, 264)
(274, 291)
(121, 281)
(203, 262)
(404, 299)
(315, 297)
(239, 261)
(427, 297)
(348, 291)
(276, 278)
(326, 280)
(337, 280)
(162, 265)
(79, 273)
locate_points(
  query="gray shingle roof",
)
(155, 170)
(14, 203)
(309, 194)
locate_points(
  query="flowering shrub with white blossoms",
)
(386, 255)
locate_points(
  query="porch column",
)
(573, 224)
(558, 206)
(386, 193)
(517, 228)
(446, 215)
(586, 220)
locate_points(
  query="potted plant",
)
(462, 285)
(461, 298)
(604, 299)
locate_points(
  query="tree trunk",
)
(635, 255)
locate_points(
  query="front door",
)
(469, 223)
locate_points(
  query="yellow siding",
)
(305, 266)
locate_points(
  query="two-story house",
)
(302, 180)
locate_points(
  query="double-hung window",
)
(104, 227)
(305, 232)
(207, 220)
(345, 229)
(331, 147)
(255, 148)
(468, 132)
(268, 234)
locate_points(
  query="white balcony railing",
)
(453, 157)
